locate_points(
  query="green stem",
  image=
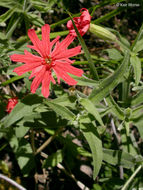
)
(126, 83)
(108, 15)
(33, 141)
(48, 141)
(63, 21)
(125, 92)
(131, 178)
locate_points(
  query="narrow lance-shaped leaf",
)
(138, 38)
(61, 110)
(137, 112)
(92, 137)
(7, 15)
(115, 109)
(139, 46)
(22, 109)
(136, 63)
(114, 157)
(24, 155)
(15, 19)
(108, 84)
(84, 81)
(127, 142)
(138, 122)
(53, 159)
(137, 99)
(87, 104)
(114, 54)
(117, 157)
(11, 80)
(8, 4)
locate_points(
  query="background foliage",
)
(89, 136)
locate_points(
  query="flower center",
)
(48, 60)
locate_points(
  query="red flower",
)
(11, 104)
(49, 59)
(82, 23)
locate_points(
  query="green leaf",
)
(124, 41)
(136, 63)
(53, 159)
(83, 152)
(139, 127)
(114, 54)
(137, 99)
(8, 4)
(139, 46)
(115, 109)
(3, 38)
(6, 15)
(23, 153)
(138, 37)
(8, 70)
(35, 19)
(128, 144)
(4, 167)
(15, 19)
(137, 112)
(92, 137)
(20, 131)
(84, 81)
(15, 78)
(88, 105)
(138, 122)
(61, 110)
(118, 157)
(66, 100)
(42, 6)
(22, 109)
(108, 84)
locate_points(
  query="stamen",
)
(48, 60)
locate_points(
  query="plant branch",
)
(12, 182)
(47, 142)
(131, 178)
(33, 141)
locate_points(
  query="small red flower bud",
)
(11, 104)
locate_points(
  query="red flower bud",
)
(82, 23)
(11, 104)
